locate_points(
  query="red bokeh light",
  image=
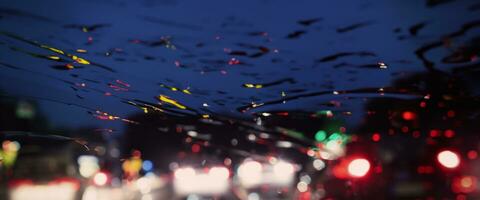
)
(434, 133)
(376, 137)
(461, 197)
(408, 115)
(425, 169)
(472, 154)
(423, 104)
(449, 133)
(451, 113)
(195, 148)
(464, 184)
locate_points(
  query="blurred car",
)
(270, 178)
(277, 173)
(46, 169)
(212, 180)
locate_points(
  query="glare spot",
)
(302, 186)
(448, 159)
(100, 179)
(358, 167)
(318, 164)
(192, 133)
(252, 137)
(219, 173)
(306, 179)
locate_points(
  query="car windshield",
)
(253, 99)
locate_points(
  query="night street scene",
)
(239, 100)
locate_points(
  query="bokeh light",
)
(184, 173)
(100, 179)
(321, 135)
(448, 159)
(408, 115)
(358, 167)
(219, 172)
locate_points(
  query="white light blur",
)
(100, 179)
(193, 197)
(188, 181)
(318, 164)
(284, 144)
(302, 186)
(184, 173)
(219, 173)
(192, 133)
(283, 168)
(358, 167)
(88, 165)
(326, 155)
(63, 191)
(250, 173)
(283, 172)
(251, 137)
(333, 150)
(148, 183)
(275, 172)
(147, 197)
(448, 159)
(144, 185)
(264, 135)
(253, 196)
(97, 193)
(306, 178)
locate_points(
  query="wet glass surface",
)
(201, 84)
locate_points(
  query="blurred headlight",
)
(219, 173)
(188, 181)
(250, 173)
(184, 173)
(283, 172)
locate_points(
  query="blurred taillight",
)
(352, 167)
(75, 183)
(19, 182)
